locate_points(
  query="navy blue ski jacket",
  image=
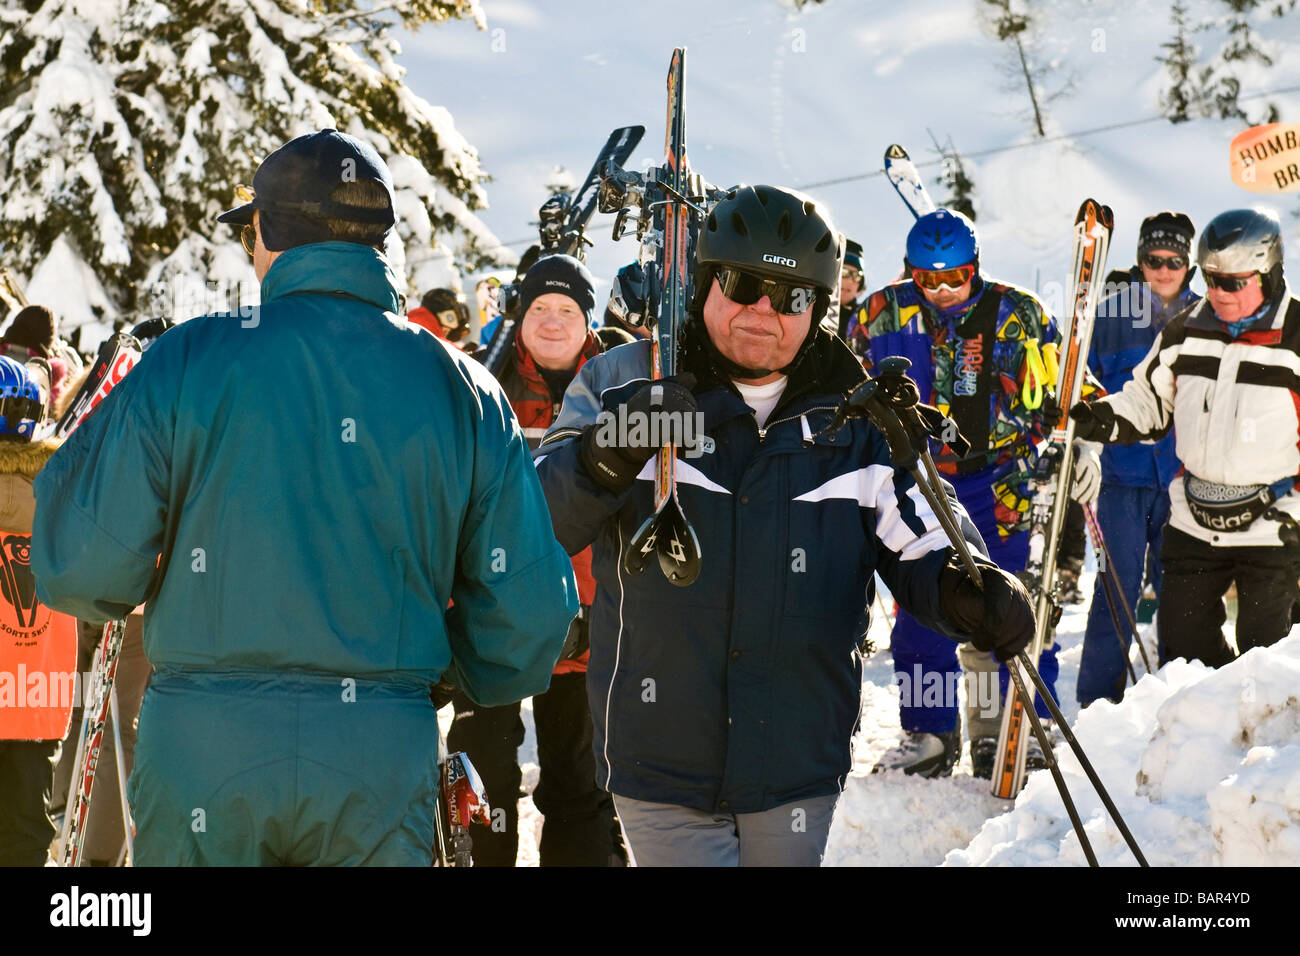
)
(1127, 324)
(740, 692)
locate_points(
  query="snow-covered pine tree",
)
(1177, 98)
(1213, 88)
(125, 125)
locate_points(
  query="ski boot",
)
(983, 754)
(1035, 759)
(924, 755)
(1067, 582)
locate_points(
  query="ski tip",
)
(894, 151)
(1102, 211)
(642, 547)
(678, 547)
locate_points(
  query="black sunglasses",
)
(746, 288)
(1173, 263)
(1216, 280)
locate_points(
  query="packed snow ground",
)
(1203, 765)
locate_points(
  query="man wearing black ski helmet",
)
(691, 688)
(763, 242)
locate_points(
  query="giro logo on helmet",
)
(779, 260)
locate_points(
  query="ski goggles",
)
(455, 318)
(746, 288)
(1217, 280)
(851, 272)
(936, 279)
(248, 235)
(1172, 263)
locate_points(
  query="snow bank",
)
(1202, 765)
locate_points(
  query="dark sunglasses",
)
(1172, 263)
(1217, 280)
(746, 288)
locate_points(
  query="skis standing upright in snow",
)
(562, 229)
(906, 180)
(1051, 482)
(669, 198)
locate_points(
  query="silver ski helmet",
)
(1244, 240)
(774, 232)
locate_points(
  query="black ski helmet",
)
(774, 232)
(777, 232)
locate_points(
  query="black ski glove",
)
(615, 464)
(1093, 421)
(999, 619)
(1049, 411)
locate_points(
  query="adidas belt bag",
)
(1230, 507)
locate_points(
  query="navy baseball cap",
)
(292, 190)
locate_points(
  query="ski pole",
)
(1094, 528)
(1082, 757)
(1106, 584)
(900, 444)
(867, 400)
(1022, 659)
(1050, 756)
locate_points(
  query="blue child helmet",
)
(22, 402)
(942, 239)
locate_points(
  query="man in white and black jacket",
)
(1225, 375)
(724, 710)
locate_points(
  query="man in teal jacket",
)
(299, 492)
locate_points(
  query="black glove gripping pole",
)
(892, 403)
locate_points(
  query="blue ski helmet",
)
(943, 239)
(22, 402)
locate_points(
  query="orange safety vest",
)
(38, 652)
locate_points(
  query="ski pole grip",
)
(1035, 376)
(901, 449)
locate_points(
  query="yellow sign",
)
(1266, 159)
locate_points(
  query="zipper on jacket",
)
(763, 430)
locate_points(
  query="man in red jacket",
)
(557, 299)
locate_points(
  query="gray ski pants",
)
(664, 834)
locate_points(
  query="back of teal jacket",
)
(320, 479)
